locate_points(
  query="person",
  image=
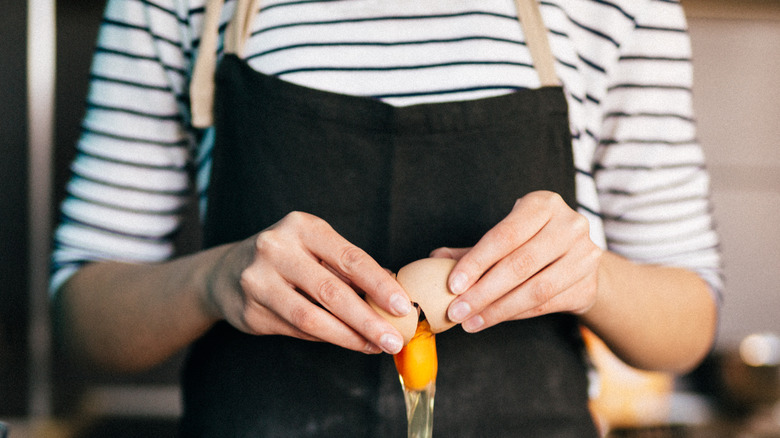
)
(334, 141)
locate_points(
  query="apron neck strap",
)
(538, 44)
(239, 28)
(237, 32)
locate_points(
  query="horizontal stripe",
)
(162, 238)
(139, 57)
(337, 44)
(104, 181)
(96, 106)
(143, 140)
(398, 67)
(98, 78)
(374, 20)
(125, 199)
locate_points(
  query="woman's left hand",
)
(538, 260)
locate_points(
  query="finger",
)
(301, 267)
(345, 304)
(528, 216)
(513, 270)
(354, 264)
(302, 319)
(564, 286)
(262, 321)
(346, 280)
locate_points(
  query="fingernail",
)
(458, 283)
(372, 349)
(459, 311)
(400, 305)
(391, 343)
(473, 324)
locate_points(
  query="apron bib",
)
(397, 182)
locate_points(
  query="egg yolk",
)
(417, 362)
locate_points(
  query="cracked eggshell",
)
(425, 281)
(406, 324)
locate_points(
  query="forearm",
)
(130, 317)
(652, 317)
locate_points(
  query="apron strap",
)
(538, 44)
(202, 83)
(236, 34)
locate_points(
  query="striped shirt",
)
(625, 66)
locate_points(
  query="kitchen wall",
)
(736, 47)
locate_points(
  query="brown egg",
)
(406, 324)
(425, 281)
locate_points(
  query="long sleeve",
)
(130, 178)
(649, 168)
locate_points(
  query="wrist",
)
(602, 314)
(211, 281)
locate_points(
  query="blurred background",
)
(45, 52)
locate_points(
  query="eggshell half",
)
(425, 281)
(406, 324)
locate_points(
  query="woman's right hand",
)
(300, 278)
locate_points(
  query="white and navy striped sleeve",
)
(129, 179)
(649, 167)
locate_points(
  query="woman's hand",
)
(300, 278)
(538, 260)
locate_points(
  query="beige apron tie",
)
(538, 44)
(202, 83)
(236, 34)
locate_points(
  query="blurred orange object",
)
(417, 362)
(623, 396)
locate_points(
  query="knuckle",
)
(351, 259)
(522, 263)
(580, 225)
(543, 196)
(505, 232)
(594, 255)
(329, 292)
(249, 283)
(295, 218)
(247, 280)
(542, 293)
(551, 197)
(544, 200)
(297, 222)
(268, 242)
(303, 318)
(300, 221)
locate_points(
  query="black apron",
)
(397, 182)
